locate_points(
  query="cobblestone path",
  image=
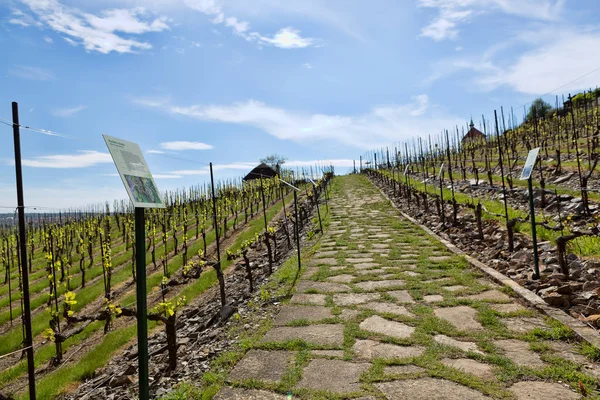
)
(384, 311)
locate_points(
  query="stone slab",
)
(489, 295)
(325, 254)
(508, 307)
(440, 258)
(389, 308)
(376, 285)
(268, 366)
(520, 353)
(325, 287)
(454, 288)
(427, 389)
(350, 299)
(289, 313)
(358, 260)
(315, 262)
(469, 366)
(376, 272)
(325, 335)
(348, 314)
(524, 325)
(386, 327)
(462, 317)
(542, 391)
(302, 298)
(344, 278)
(366, 265)
(464, 346)
(371, 349)
(433, 298)
(335, 376)
(402, 296)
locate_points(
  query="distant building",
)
(262, 170)
(474, 134)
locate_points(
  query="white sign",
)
(134, 172)
(406, 169)
(529, 164)
(441, 171)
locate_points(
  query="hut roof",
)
(473, 133)
(262, 170)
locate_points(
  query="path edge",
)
(583, 331)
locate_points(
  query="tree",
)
(274, 160)
(540, 107)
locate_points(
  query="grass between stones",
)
(361, 221)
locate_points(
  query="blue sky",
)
(230, 81)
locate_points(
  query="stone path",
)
(384, 311)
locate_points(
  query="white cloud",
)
(557, 61)
(156, 152)
(62, 196)
(83, 159)
(98, 32)
(152, 101)
(377, 127)
(307, 66)
(16, 21)
(564, 63)
(183, 145)
(453, 13)
(285, 38)
(48, 39)
(32, 73)
(288, 38)
(68, 111)
(444, 26)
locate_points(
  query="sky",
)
(232, 81)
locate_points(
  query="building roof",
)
(473, 133)
(262, 170)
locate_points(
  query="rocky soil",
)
(202, 329)
(578, 294)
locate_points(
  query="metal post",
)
(360, 161)
(536, 261)
(217, 266)
(23, 250)
(502, 171)
(442, 199)
(297, 229)
(262, 191)
(214, 201)
(142, 312)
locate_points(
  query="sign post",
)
(407, 183)
(296, 190)
(441, 179)
(142, 191)
(526, 175)
(23, 254)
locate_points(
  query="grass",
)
(206, 281)
(583, 246)
(408, 239)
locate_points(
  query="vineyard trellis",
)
(78, 256)
(568, 136)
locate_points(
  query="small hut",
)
(262, 170)
(474, 134)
